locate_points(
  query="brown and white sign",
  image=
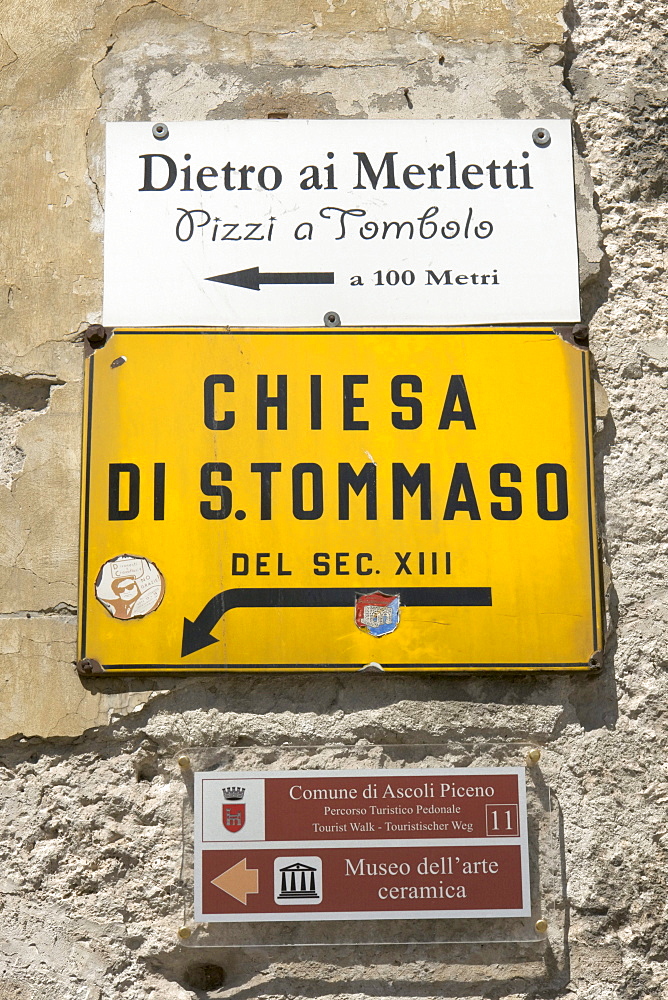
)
(363, 844)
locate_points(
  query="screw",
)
(332, 319)
(183, 761)
(160, 131)
(534, 755)
(95, 335)
(89, 667)
(541, 926)
(185, 932)
(541, 137)
(372, 667)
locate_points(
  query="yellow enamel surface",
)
(528, 392)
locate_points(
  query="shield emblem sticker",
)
(234, 816)
(377, 613)
(234, 810)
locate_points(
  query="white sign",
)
(382, 844)
(276, 223)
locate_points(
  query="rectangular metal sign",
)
(289, 500)
(251, 223)
(363, 844)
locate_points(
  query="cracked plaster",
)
(91, 852)
(192, 60)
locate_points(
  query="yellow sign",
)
(291, 500)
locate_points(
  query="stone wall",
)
(92, 878)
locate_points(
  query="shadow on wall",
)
(587, 700)
(404, 971)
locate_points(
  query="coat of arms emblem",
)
(234, 810)
(377, 613)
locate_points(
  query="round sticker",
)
(129, 587)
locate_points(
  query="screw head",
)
(160, 131)
(95, 335)
(541, 926)
(183, 761)
(89, 667)
(184, 933)
(332, 319)
(534, 755)
(541, 137)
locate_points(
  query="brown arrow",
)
(238, 881)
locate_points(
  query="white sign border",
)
(318, 845)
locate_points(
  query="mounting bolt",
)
(533, 756)
(185, 932)
(160, 131)
(541, 137)
(183, 761)
(372, 668)
(89, 667)
(332, 319)
(541, 926)
(96, 335)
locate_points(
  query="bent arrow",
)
(197, 633)
(252, 277)
(238, 881)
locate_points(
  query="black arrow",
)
(197, 634)
(252, 277)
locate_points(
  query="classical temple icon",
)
(298, 882)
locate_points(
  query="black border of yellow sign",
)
(87, 665)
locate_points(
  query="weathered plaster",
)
(126, 61)
(91, 845)
(41, 692)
